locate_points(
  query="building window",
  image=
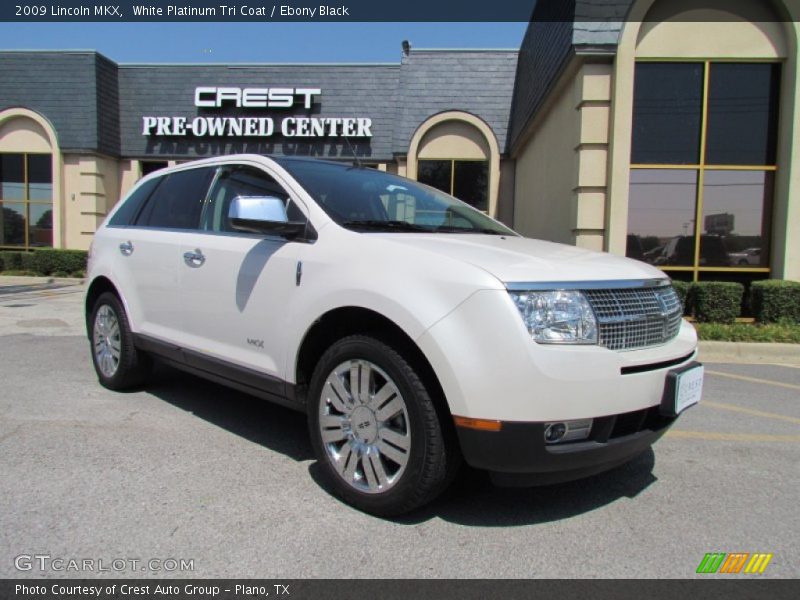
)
(149, 166)
(26, 199)
(703, 163)
(467, 180)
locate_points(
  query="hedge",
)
(12, 261)
(774, 300)
(717, 301)
(45, 261)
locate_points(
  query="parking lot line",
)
(751, 411)
(733, 437)
(791, 386)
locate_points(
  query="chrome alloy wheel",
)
(107, 340)
(364, 424)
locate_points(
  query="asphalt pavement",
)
(186, 470)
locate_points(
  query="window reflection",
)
(735, 204)
(12, 224)
(661, 214)
(40, 225)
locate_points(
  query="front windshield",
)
(364, 199)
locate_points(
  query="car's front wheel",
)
(118, 363)
(375, 428)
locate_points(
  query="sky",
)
(256, 42)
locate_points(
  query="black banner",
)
(746, 588)
(590, 11)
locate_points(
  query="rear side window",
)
(133, 203)
(178, 202)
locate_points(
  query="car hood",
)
(519, 259)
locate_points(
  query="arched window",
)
(704, 144)
(457, 153)
(26, 184)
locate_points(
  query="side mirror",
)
(263, 214)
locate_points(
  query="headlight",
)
(558, 317)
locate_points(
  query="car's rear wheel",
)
(375, 428)
(117, 362)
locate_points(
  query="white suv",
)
(412, 329)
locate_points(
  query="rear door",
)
(150, 250)
(238, 288)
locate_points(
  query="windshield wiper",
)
(453, 229)
(377, 225)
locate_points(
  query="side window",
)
(131, 205)
(178, 202)
(242, 181)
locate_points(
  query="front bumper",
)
(518, 456)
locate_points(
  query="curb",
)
(752, 352)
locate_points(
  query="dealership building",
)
(663, 131)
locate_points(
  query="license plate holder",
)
(682, 389)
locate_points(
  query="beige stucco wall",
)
(91, 188)
(561, 168)
(677, 29)
(505, 198)
(453, 139)
(23, 135)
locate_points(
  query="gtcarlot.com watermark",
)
(60, 564)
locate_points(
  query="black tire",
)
(132, 366)
(432, 458)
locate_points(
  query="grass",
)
(18, 273)
(788, 333)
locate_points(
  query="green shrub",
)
(12, 260)
(717, 301)
(48, 261)
(775, 300)
(683, 288)
(27, 262)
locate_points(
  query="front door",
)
(237, 287)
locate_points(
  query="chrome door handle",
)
(126, 248)
(194, 259)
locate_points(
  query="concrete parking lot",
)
(186, 469)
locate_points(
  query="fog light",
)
(567, 431)
(553, 432)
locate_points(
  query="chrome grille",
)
(633, 318)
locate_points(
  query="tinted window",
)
(178, 201)
(130, 207)
(661, 213)
(243, 181)
(742, 114)
(471, 182)
(150, 166)
(736, 208)
(436, 173)
(667, 107)
(12, 177)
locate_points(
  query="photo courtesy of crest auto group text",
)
(299, 300)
